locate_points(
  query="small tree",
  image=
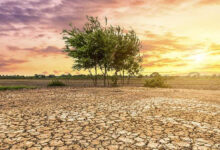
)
(104, 48)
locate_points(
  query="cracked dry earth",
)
(109, 118)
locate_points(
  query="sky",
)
(177, 36)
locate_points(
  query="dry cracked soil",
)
(109, 118)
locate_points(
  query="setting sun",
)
(198, 58)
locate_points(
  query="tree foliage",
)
(106, 49)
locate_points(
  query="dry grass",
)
(176, 83)
(195, 83)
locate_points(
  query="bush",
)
(114, 81)
(140, 76)
(56, 83)
(155, 82)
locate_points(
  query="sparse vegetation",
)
(175, 82)
(3, 88)
(56, 83)
(154, 82)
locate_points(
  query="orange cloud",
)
(160, 62)
(10, 64)
(208, 2)
(167, 42)
(33, 51)
(45, 73)
(215, 46)
(214, 49)
(57, 72)
(138, 2)
(212, 67)
(173, 2)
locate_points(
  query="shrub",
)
(155, 82)
(56, 83)
(140, 76)
(114, 81)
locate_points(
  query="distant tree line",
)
(99, 77)
(41, 76)
(52, 77)
(106, 50)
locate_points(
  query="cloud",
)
(45, 72)
(10, 64)
(214, 46)
(209, 2)
(15, 12)
(34, 51)
(42, 20)
(138, 2)
(151, 55)
(214, 49)
(172, 2)
(157, 50)
(57, 14)
(3, 34)
(50, 14)
(40, 35)
(167, 42)
(56, 72)
(161, 62)
(180, 2)
(212, 67)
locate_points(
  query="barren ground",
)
(110, 118)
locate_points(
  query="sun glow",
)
(198, 58)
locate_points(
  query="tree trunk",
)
(121, 78)
(93, 80)
(105, 77)
(123, 73)
(95, 75)
(128, 79)
(116, 78)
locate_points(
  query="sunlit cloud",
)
(209, 2)
(34, 51)
(10, 64)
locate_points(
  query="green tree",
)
(126, 57)
(108, 47)
(81, 45)
(105, 48)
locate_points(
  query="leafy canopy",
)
(107, 48)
